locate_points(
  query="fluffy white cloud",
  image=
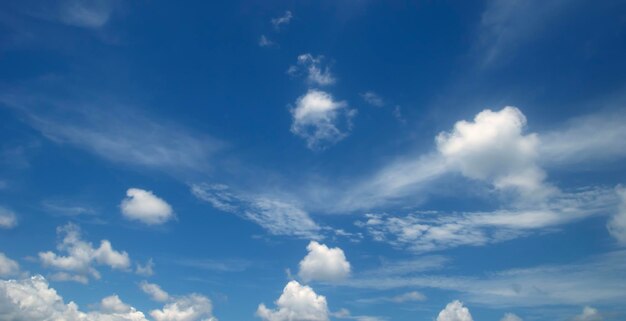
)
(296, 303)
(494, 148)
(455, 311)
(81, 256)
(617, 223)
(154, 291)
(8, 267)
(323, 263)
(510, 317)
(321, 120)
(144, 206)
(312, 67)
(8, 219)
(282, 20)
(276, 216)
(145, 270)
(193, 307)
(589, 314)
(33, 300)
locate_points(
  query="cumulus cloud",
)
(32, 299)
(313, 69)
(81, 256)
(144, 206)
(320, 119)
(8, 219)
(275, 216)
(589, 314)
(494, 148)
(282, 20)
(154, 291)
(617, 223)
(510, 317)
(145, 270)
(324, 264)
(455, 311)
(8, 267)
(192, 307)
(296, 303)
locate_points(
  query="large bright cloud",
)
(144, 206)
(455, 311)
(494, 148)
(320, 119)
(32, 299)
(323, 263)
(78, 263)
(296, 303)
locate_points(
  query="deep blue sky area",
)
(312, 160)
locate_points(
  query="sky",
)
(312, 160)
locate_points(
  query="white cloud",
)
(33, 300)
(144, 206)
(373, 99)
(8, 267)
(589, 314)
(312, 67)
(192, 307)
(321, 120)
(154, 291)
(282, 20)
(8, 219)
(617, 223)
(324, 264)
(510, 317)
(81, 256)
(455, 311)
(493, 148)
(277, 217)
(145, 270)
(409, 297)
(296, 303)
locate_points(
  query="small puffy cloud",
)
(494, 148)
(145, 270)
(144, 206)
(617, 223)
(455, 311)
(8, 219)
(32, 299)
(8, 267)
(81, 257)
(373, 99)
(312, 68)
(282, 20)
(589, 314)
(320, 119)
(323, 263)
(510, 317)
(276, 216)
(193, 307)
(296, 303)
(154, 291)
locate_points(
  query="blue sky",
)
(312, 160)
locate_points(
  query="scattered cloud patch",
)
(617, 223)
(283, 20)
(146, 269)
(275, 216)
(81, 257)
(510, 317)
(8, 267)
(191, 307)
(296, 303)
(144, 206)
(324, 264)
(8, 219)
(321, 120)
(264, 41)
(313, 69)
(589, 314)
(455, 311)
(373, 99)
(154, 291)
